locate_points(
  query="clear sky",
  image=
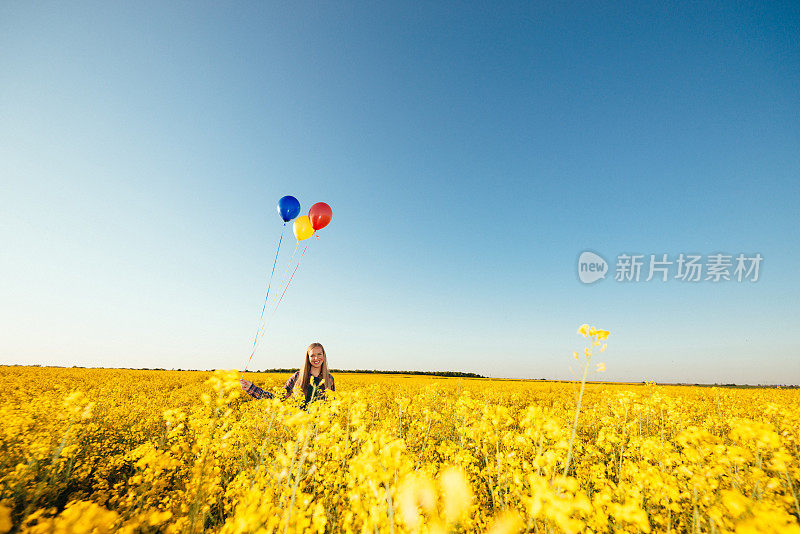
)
(470, 154)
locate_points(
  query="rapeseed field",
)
(106, 450)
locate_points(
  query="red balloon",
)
(320, 215)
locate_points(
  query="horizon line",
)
(440, 374)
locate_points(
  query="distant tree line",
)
(738, 386)
(448, 374)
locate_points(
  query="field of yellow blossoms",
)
(86, 450)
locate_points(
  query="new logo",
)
(591, 267)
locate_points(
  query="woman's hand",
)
(245, 384)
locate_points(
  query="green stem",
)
(577, 413)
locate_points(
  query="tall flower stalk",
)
(594, 338)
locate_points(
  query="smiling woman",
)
(312, 379)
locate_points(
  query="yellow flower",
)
(735, 502)
(506, 523)
(5, 519)
(456, 492)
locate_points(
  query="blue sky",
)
(470, 154)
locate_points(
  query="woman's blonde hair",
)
(305, 371)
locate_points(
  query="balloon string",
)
(260, 319)
(272, 313)
(283, 279)
(261, 330)
(290, 279)
(269, 285)
(266, 299)
(288, 265)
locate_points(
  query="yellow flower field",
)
(85, 450)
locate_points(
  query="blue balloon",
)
(288, 208)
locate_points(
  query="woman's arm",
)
(290, 384)
(254, 391)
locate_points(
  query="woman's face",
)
(316, 357)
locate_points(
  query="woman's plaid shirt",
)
(258, 393)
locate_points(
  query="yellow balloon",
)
(302, 228)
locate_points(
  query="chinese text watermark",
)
(662, 267)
